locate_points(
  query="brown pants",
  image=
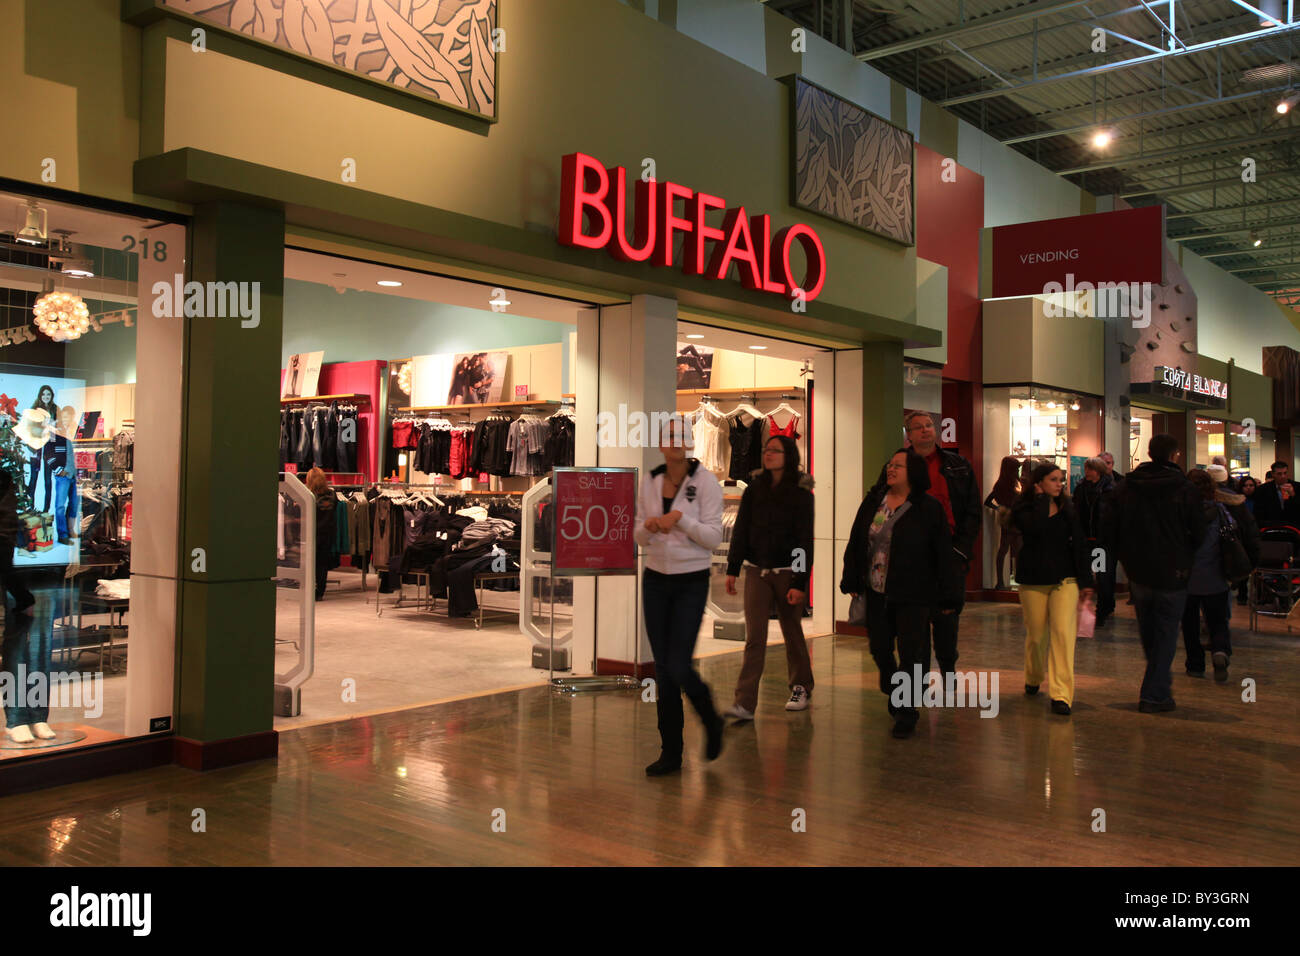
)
(760, 593)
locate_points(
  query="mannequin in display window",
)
(64, 462)
(26, 652)
(1001, 500)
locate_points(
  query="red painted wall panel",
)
(358, 378)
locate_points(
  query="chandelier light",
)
(404, 378)
(62, 316)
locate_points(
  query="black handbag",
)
(1232, 553)
(858, 610)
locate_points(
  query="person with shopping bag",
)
(1226, 555)
(1054, 576)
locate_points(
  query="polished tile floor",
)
(529, 778)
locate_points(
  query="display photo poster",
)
(39, 419)
(694, 365)
(477, 378)
(301, 375)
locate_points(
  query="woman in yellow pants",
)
(1053, 573)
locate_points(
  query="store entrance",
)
(418, 409)
(740, 389)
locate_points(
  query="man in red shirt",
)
(952, 482)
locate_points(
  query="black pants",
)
(1159, 614)
(908, 625)
(41, 461)
(1105, 581)
(674, 608)
(9, 579)
(945, 640)
(1217, 607)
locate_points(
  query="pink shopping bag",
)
(1087, 618)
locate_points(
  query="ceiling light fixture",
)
(32, 224)
(389, 283)
(1074, 405)
(1270, 12)
(694, 335)
(759, 348)
(1288, 104)
(1256, 239)
(62, 316)
(1102, 138)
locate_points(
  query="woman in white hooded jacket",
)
(678, 523)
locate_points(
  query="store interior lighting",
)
(1102, 138)
(1256, 239)
(1288, 104)
(389, 283)
(695, 335)
(759, 348)
(32, 225)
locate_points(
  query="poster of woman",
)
(694, 366)
(477, 378)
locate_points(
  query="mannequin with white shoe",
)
(25, 653)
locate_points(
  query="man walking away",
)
(1157, 523)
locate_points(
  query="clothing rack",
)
(356, 398)
(471, 407)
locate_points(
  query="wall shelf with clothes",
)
(731, 425)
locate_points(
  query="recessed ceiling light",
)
(78, 269)
(759, 348)
(389, 283)
(695, 335)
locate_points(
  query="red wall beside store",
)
(949, 219)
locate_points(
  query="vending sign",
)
(594, 512)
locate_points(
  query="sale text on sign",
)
(594, 512)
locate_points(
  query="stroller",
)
(1275, 586)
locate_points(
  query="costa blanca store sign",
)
(594, 215)
(1188, 382)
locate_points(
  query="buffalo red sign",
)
(1122, 246)
(594, 512)
(594, 214)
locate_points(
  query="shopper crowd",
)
(1184, 539)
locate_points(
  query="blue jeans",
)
(1160, 615)
(674, 609)
(28, 644)
(65, 504)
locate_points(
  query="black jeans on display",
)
(1159, 615)
(674, 608)
(9, 579)
(1218, 608)
(41, 460)
(909, 626)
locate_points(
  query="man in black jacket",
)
(1277, 502)
(1156, 522)
(952, 482)
(1088, 497)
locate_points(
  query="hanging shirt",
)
(789, 431)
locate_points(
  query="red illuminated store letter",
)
(584, 185)
(647, 204)
(739, 248)
(812, 247)
(760, 227)
(693, 257)
(670, 222)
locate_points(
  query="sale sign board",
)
(594, 512)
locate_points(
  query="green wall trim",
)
(179, 26)
(898, 105)
(197, 176)
(882, 393)
(938, 129)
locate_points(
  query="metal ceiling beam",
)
(936, 37)
(1241, 207)
(1137, 117)
(1208, 147)
(1127, 64)
(1253, 227)
(1182, 189)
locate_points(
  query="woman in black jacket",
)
(1207, 587)
(900, 556)
(1055, 572)
(326, 528)
(773, 541)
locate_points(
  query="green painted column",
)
(229, 468)
(882, 407)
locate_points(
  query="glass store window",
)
(69, 307)
(1251, 451)
(1211, 440)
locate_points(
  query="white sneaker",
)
(44, 731)
(740, 713)
(799, 699)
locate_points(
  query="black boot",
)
(667, 763)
